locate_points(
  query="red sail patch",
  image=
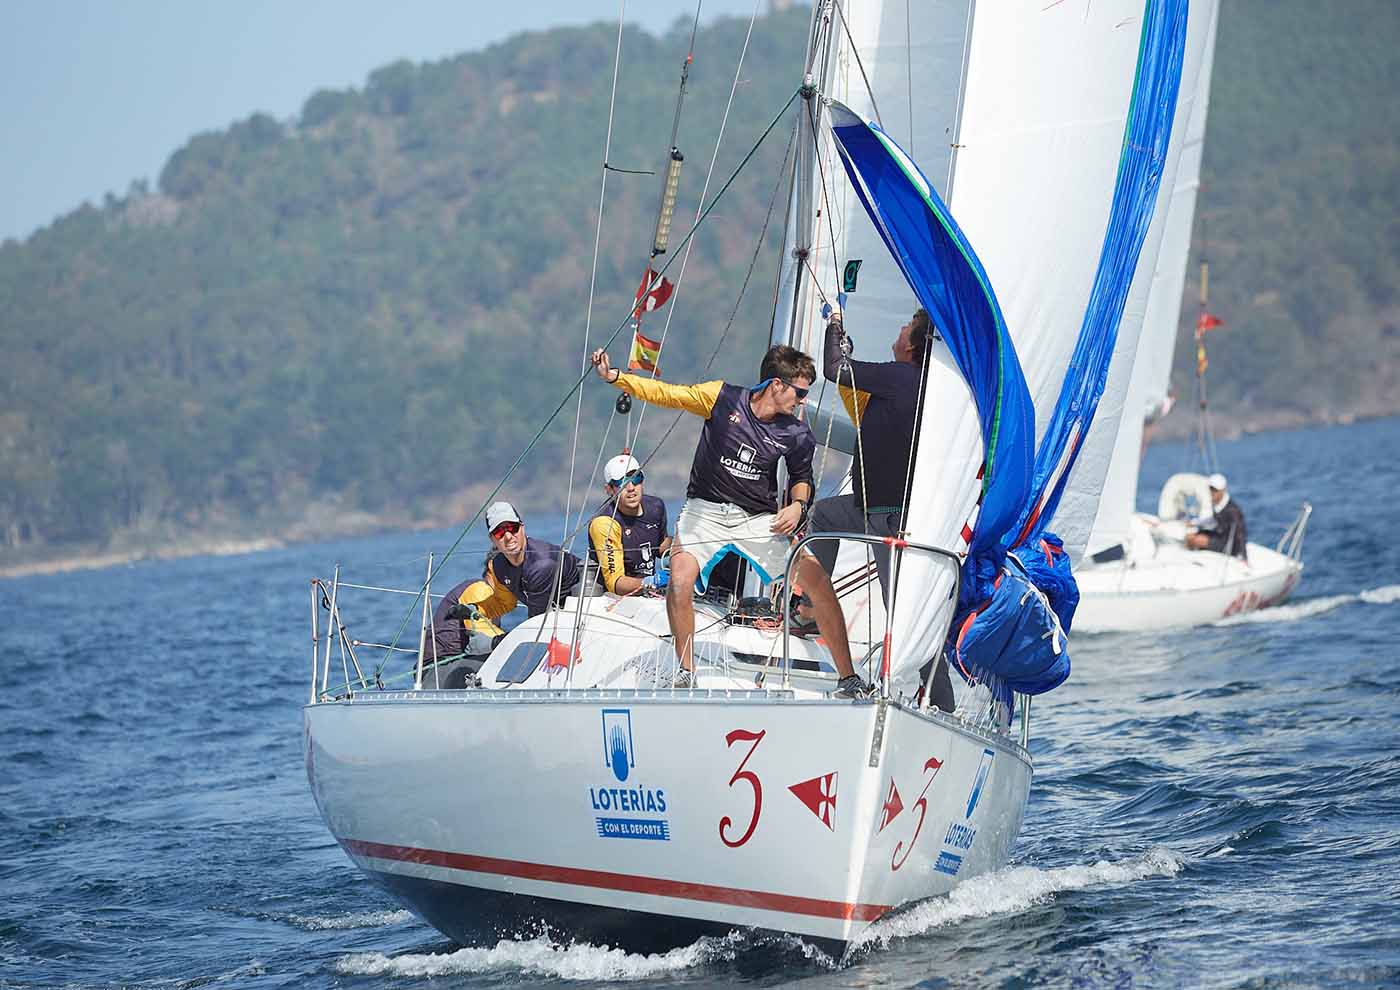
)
(819, 795)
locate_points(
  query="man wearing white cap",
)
(1228, 535)
(628, 535)
(524, 569)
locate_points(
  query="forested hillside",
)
(369, 310)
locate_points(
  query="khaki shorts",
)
(710, 530)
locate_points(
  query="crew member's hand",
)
(659, 579)
(833, 314)
(603, 366)
(785, 522)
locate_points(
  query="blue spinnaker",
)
(949, 282)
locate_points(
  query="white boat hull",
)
(487, 810)
(1180, 587)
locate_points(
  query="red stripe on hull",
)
(739, 897)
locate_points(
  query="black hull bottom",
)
(477, 915)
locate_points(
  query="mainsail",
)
(1048, 152)
(1151, 370)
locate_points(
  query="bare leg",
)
(680, 598)
(830, 622)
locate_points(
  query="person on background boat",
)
(883, 401)
(462, 636)
(523, 568)
(1227, 534)
(732, 500)
(628, 535)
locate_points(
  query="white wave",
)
(1387, 595)
(542, 956)
(1014, 889)
(358, 919)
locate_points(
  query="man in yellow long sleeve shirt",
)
(628, 534)
(732, 504)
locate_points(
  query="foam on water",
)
(542, 956)
(1015, 889)
(356, 919)
(1386, 595)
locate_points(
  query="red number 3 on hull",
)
(748, 776)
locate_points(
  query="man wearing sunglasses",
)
(732, 501)
(628, 535)
(883, 399)
(523, 568)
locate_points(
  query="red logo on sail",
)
(893, 806)
(819, 795)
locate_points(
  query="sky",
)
(98, 93)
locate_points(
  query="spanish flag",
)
(645, 353)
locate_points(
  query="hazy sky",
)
(100, 92)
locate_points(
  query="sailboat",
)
(1137, 572)
(576, 788)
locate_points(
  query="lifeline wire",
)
(584, 376)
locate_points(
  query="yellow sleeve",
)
(855, 402)
(476, 594)
(493, 600)
(698, 399)
(606, 536)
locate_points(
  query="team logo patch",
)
(624, 804)
(734, 417)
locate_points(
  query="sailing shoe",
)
(683, 679)
(852, 686)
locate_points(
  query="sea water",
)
(1216, 807)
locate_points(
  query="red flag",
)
(559, 654)
(1208, 321)
(652, 293)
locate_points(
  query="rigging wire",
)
(578, 383)
(855, 51)
(714, 158)
(593, 275)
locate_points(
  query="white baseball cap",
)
(1217, 481)
(620, 467)
(499, 512)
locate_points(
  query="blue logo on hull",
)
(618, 751)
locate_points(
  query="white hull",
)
(708, 810)
(1174, 586)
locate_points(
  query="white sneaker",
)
(683, 679)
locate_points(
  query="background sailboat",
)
(1136, 572)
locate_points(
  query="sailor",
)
(628, 535)
(463, 636)
(1227, 534)
(882, 399)
(523, 568)
(732, 502)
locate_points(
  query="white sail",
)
(1019, 119)
(1151, 374)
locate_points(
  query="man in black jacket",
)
(1228, 534)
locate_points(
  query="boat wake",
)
(1386, 595)
(1012, 890)
(544, 956)
(355, 919)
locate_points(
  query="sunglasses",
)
(635, 478)
(506, 528)
(801, 392)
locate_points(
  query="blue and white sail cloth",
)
(1019, 494)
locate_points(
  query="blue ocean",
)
(1217, 807)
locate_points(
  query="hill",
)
(359, 317)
